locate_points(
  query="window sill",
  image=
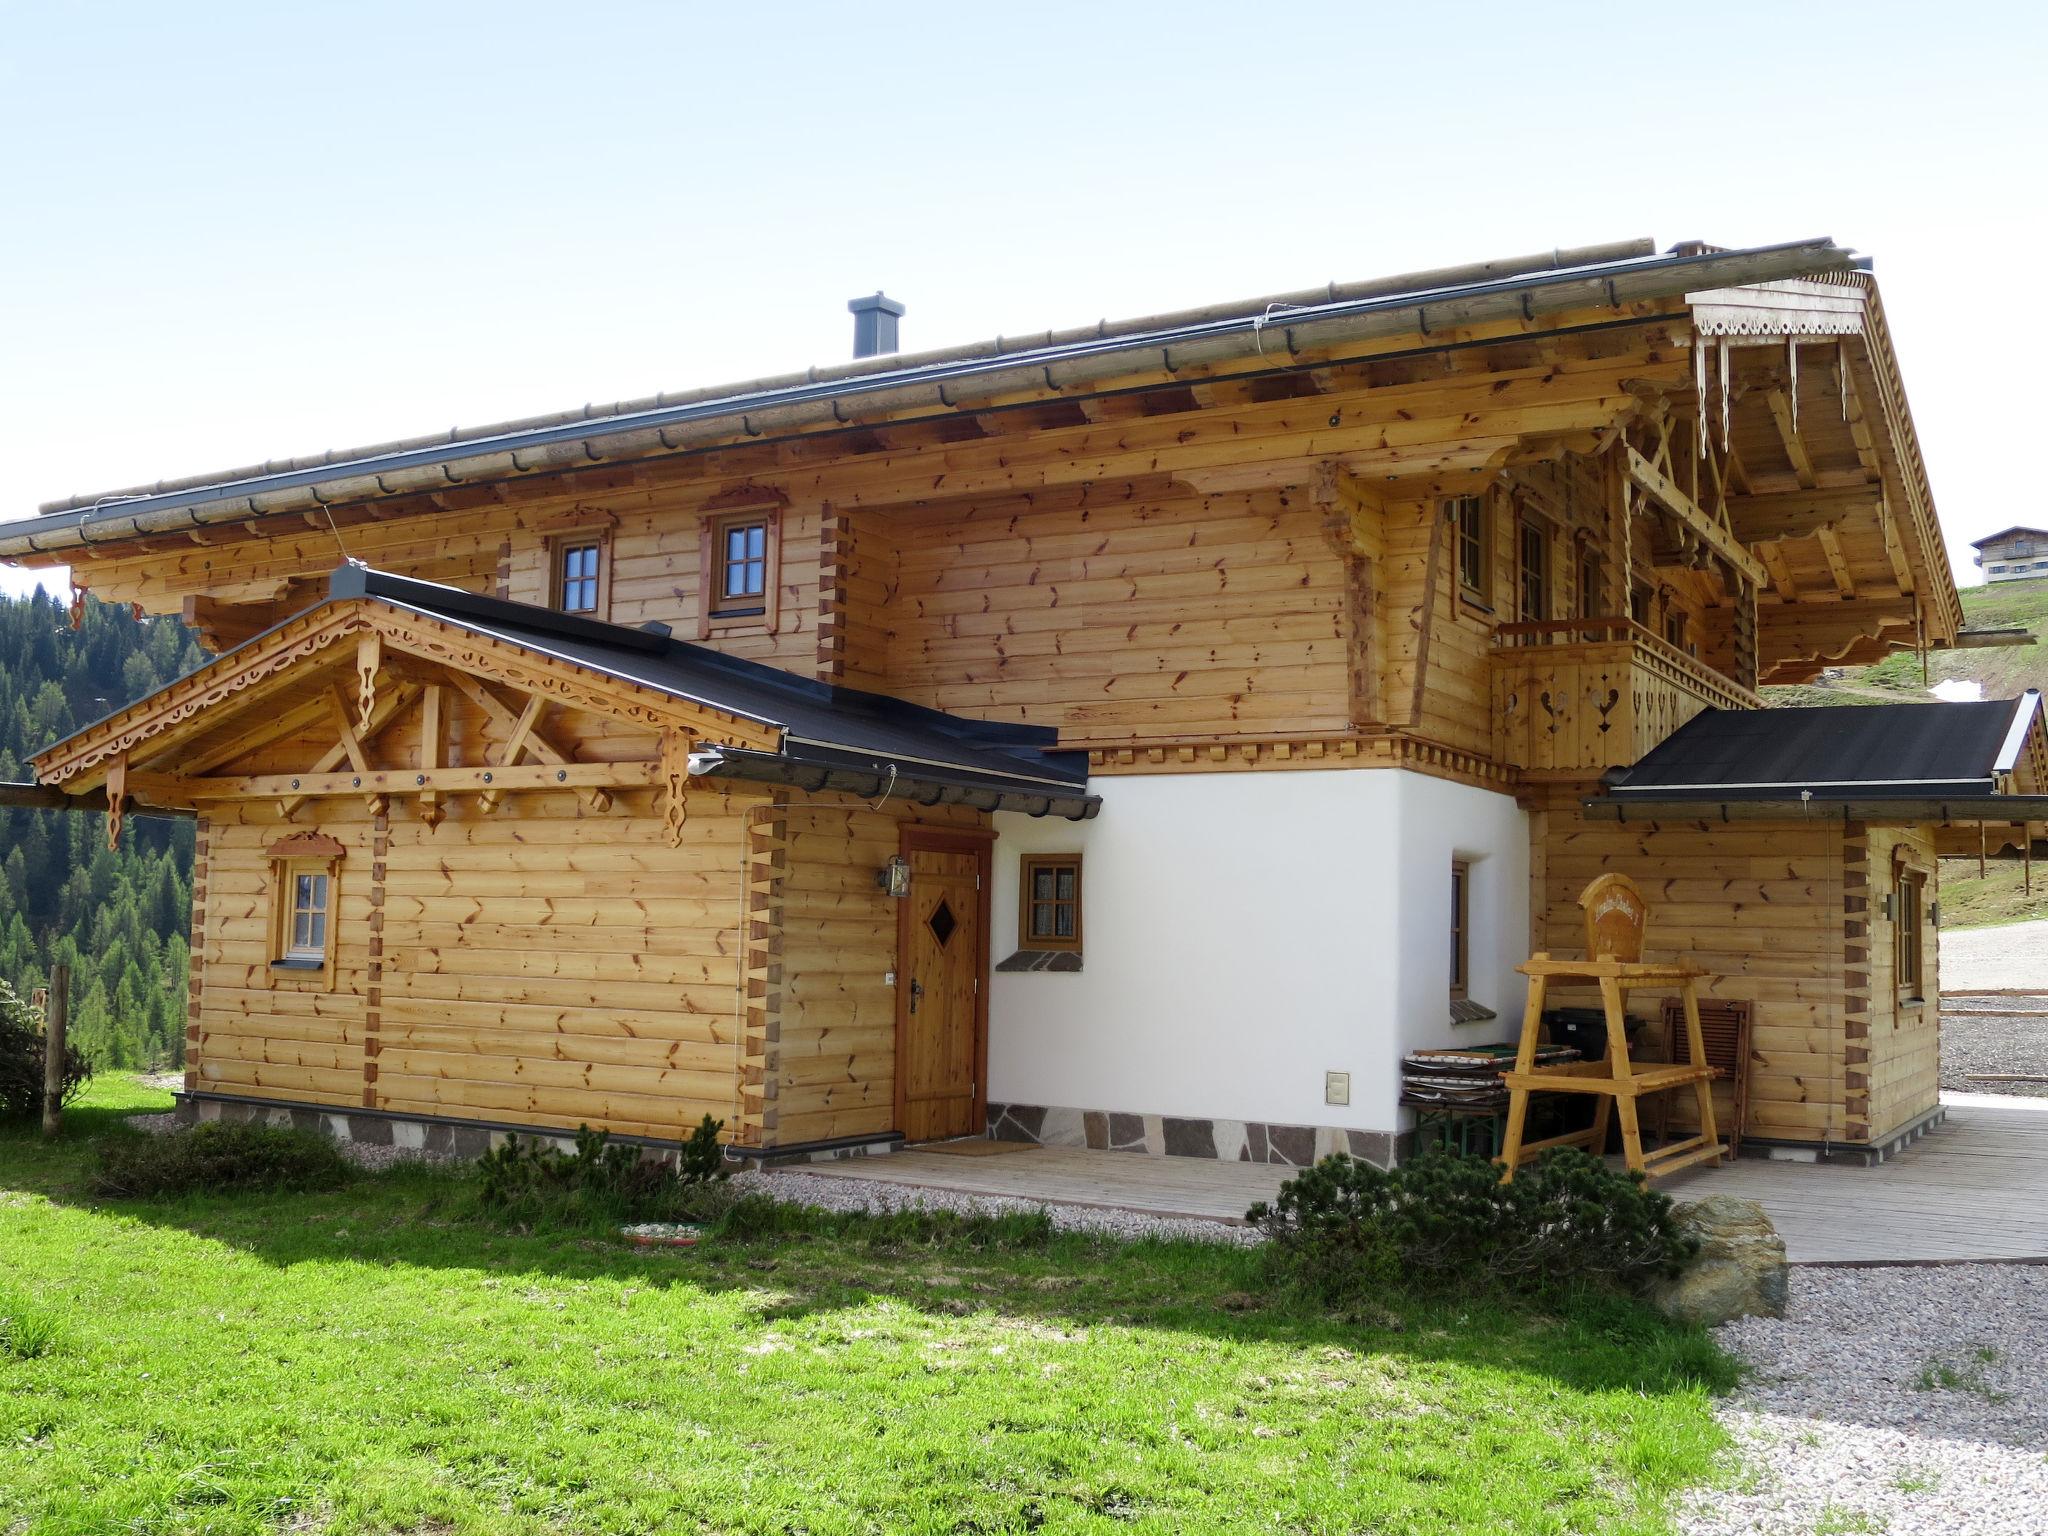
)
(1067, 961)
(298, 965)
(1469, 599)
(1465, 1011)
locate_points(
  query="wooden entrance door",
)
(941, 989)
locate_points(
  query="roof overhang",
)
(1280, 333)
(1878, 807)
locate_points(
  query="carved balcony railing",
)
(1585, 695)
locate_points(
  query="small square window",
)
(740, 557)
(1049, 902)
(306, 882)
(580, 576)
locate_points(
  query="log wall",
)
(544, 965)
(1900, 1077)
(1757, 904)
(835, 1047)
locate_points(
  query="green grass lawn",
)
(377, 1360)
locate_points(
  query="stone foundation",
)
(1236, 1141)
(1856, 1155)
(468, 1139)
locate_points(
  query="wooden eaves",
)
(1439, 306)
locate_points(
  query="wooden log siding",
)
(1758, 904)
(1901, 1043)
(1163, 614)
(623, 1019)
(279, 1035)
(544, 964)
(836, 1069)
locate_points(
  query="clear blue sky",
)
(238, 231)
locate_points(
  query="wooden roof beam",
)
(1788, 435)
(1716, 536)
(1838, 563)
(1798, 514)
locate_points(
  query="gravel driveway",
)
(1982, 1034)
(1893, 1400)
(2012, 955)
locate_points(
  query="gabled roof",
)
(2006, 533)
(1263, 332)
(1892, 752)
(795, 730)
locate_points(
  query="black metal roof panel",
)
(1890, 751)
(821, 723)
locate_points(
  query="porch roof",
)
(1937, 761)
(814, 735)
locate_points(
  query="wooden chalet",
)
(1139, 736)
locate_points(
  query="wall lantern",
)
(894, 877)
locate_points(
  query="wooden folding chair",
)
(1724, 1030)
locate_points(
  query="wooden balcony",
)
(1583, 695)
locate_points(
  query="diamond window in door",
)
(942, 922)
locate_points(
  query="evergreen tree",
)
(119, 917)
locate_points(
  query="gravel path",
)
(1893, 1400)
(837, 1194)
(2009, 955)
(1980, 1034)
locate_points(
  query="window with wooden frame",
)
(740, 559)
(1909, 911)
(1589, 583)
(1532, 549)
(304, 903)
(1461, 928)
(1473, 526)
(1049, 902)
(1676, 626)
(579, 574)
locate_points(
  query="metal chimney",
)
(874, 324)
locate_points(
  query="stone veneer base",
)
(447, 1137)
(1236, 1141)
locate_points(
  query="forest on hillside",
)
(119, 917)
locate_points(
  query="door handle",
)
(916, 992)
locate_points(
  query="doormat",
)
(978, 1146)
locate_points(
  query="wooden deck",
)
(1976, 1188)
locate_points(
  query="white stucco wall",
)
(1247, 932)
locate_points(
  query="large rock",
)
(1739, 1271)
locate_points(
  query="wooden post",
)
(57, 1016)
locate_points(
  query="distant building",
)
(2014, 554)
